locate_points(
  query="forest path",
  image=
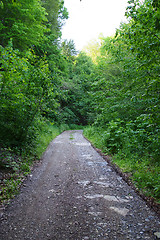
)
(75, 195)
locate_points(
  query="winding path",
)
(75, 195)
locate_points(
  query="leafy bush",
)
(23, 87)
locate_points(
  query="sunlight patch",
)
(82, 144)
(121, 211)
(87, 156)
(95, 213)
(107, 197)
(57, 142)
(84, 183)
(103, 184)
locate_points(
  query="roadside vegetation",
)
(126, 97)
(112, 87)
(141, 169)
(17, 163)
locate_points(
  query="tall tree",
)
(23, 21)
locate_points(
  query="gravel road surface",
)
(75, 195)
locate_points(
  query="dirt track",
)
(75, 195)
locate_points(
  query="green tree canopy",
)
(23, 21)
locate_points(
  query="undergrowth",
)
(143, 169)
(14, 166)
(144, 172)
(16, 163)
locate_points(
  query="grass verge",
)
(143, 171)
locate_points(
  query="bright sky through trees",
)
(89, 18)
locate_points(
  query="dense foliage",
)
(125, 95)
(128, 84)
(29, 54)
